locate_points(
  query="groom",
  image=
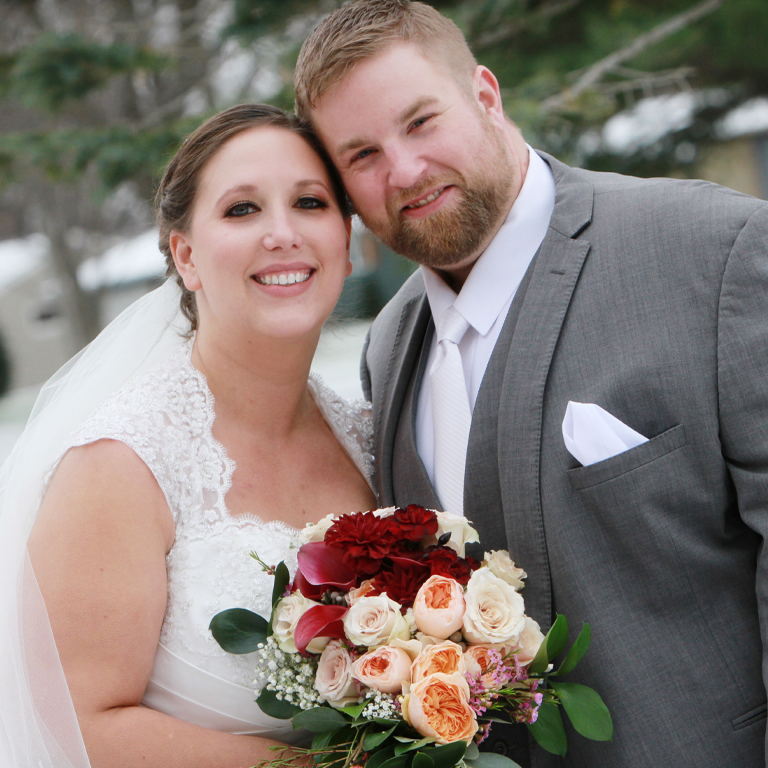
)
(543, 286)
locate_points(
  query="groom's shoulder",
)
(670, 198)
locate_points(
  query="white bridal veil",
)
(38, 727)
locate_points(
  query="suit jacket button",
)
(500, 747)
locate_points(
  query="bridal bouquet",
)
(398, 651)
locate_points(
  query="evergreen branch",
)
(504, 31)
(600, 69)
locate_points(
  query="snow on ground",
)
(18, 257)
(129, 261)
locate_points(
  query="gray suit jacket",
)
(649, 298)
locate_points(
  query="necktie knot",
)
(452, 326)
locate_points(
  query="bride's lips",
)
(284, 279)
(428, 201)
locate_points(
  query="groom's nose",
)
(406, 166)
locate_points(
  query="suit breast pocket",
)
(582, 478)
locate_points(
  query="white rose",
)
(499, 564)
(495, 610)
(287, 614)
(334, 681)
(313, 532)
(374, 621)
(384, 511)
(528, 643)
(461, 530)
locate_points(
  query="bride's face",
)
(267, 248)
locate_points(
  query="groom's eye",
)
(240, 209)
(420, 121)
(362, 155)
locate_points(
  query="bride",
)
(187, 435)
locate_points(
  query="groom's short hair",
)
(364, 28)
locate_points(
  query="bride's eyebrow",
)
(239, 189)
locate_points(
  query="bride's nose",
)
(281, 232)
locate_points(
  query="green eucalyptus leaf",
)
(377, 759)
(322, 740)
(238, 630)
(577, 651)
(420, 760)
(320, 720)
(491, 760)
(557, 637)
(372, 740)
(386, 721)
(472, 752)
(355, 710)
(586, 710)
(447, 755)
(398, 761)
(274, 707)
(412, 744)
(282, 578)
(548, 729)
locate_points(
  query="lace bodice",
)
(166, 417)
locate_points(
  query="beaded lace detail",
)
(166, 417)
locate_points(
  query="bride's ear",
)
(181, 249)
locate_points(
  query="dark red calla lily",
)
(319, 621)
(324, 565)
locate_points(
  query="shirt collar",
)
(497, 273)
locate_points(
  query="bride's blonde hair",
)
(176, 194)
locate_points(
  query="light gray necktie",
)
(450, 412)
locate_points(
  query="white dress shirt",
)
(488, 292)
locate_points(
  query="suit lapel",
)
(553, 278)
(407, 346)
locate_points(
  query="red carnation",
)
(402, 581)
(444, 561)
(413, 523)
(365, 538)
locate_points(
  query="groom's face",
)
(423, 158)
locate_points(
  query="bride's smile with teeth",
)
(283, 278)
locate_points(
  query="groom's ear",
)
(486, 89)
(181, 249)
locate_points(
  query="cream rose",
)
(499, 564)
(438, 608)
(445, 657)
(495, 610)
(528, 642)
(287, 614)
(374, 621)
(438, 707)
(314, 532)
(334, 680)
(461, 530)
(385, 669)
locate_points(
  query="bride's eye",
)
(240, 209)
(309, 202)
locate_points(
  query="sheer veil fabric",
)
(38, 726)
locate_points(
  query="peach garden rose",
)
(385, 668)
(438, 707)
(439, 606)
(445, 657)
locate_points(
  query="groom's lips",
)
(427, 202)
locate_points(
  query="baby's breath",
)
(380, 705)
(289, 675)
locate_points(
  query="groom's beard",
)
(457, 230)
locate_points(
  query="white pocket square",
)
(591, 434)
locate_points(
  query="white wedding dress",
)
(135, 383)
(166, 416)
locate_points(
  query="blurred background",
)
(96, 95)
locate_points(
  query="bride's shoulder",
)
(351, 421)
